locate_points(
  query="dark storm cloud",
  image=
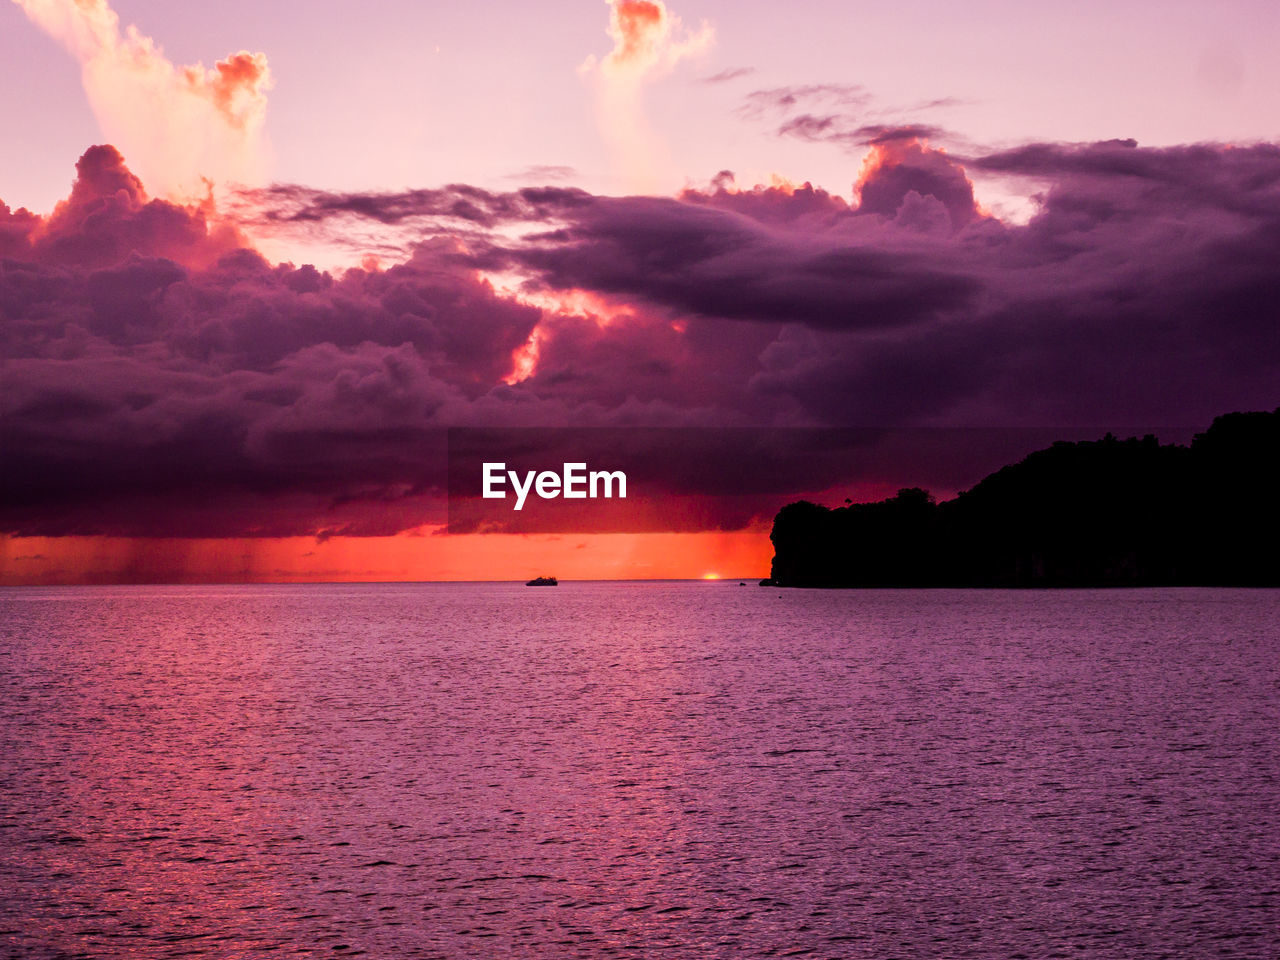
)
(289, 203)
(147, 393)
(160, 377)
(701, 259)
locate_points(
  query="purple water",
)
(649, 770)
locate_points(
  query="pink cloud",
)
(648, 42)
(183, 127)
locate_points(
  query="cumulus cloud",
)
(1142, 288)
(648, 41)
(180, 125)
(900, 164)
(162, 378)
(108, 216)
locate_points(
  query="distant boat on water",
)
(543, 582)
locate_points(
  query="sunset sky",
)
(608, 215)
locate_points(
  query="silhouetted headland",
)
(1108, 512)
(543, 582)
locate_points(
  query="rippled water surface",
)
(650, 770)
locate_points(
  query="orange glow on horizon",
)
(412, 556)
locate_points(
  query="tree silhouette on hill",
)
(1107, 512)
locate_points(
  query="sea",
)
(647, 769)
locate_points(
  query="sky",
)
(390, 95)
(606, 215)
